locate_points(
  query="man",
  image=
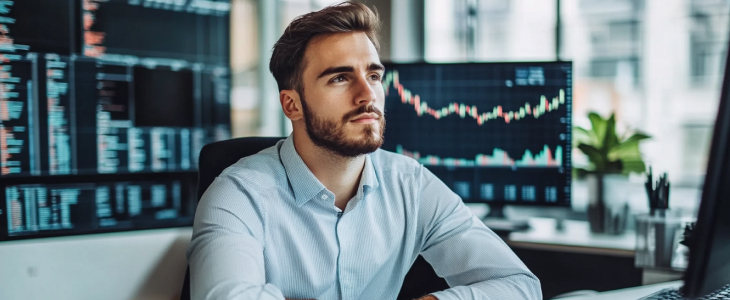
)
(325, 214)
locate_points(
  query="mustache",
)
(362, 110)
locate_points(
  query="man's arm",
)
(475, 262)
(226, 252)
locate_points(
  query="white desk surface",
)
(576, 237)
(629, 293)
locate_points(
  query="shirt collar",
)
(301, 179)
(303, 182)
(369, 177)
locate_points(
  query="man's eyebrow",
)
(332, 70)
(376, 67)
(350, 69)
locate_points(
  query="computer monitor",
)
(496, 133)
(709, 264)
(104, 106)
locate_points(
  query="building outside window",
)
(657, 64)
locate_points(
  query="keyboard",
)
(674, 294)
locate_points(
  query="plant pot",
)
(608, 209)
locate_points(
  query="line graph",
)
(499, 158)
(487, 130)
(543, 106)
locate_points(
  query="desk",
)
(576, 237)
(630, 293)
(564, 261)
(574, 258)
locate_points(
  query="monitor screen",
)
(105, 105)
(186, 30)
(494, 132)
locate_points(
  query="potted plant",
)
(612, 157)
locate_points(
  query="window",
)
(490, 30)
(707, 29)
(250, 116)
(657, 64)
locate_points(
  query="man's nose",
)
(365, 92)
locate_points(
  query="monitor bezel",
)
(696, 281)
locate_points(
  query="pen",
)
(650, 190)
(657, 192)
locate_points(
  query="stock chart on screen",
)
(104, 107)
(493, 132)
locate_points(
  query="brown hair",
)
(287, 60)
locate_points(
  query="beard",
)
(331, 135)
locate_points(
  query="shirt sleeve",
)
(475, 262)
(226, 251)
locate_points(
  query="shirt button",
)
(324, 197)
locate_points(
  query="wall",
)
(142, 265)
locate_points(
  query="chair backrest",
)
(216, 157)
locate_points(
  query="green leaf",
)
(595, 156)
(625, 150)
(634, 166)
(610, 139)
(637, 137)
(598, 127)
(607, 151)
(582, 135)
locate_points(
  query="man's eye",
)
(338, 78)
(375, 77)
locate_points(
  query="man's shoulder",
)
(264, 169)
(393, 162)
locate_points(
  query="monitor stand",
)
(498, 222)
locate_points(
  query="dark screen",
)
(153, 29)
(163, 98)
(42, 25)
(709, 264)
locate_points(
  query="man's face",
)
(343, 97)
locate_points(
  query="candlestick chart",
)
(493, 132)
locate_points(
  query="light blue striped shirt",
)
(266, 228)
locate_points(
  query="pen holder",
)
(657, 241)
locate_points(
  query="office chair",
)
(216, 157)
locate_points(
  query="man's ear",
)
(291, 104)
